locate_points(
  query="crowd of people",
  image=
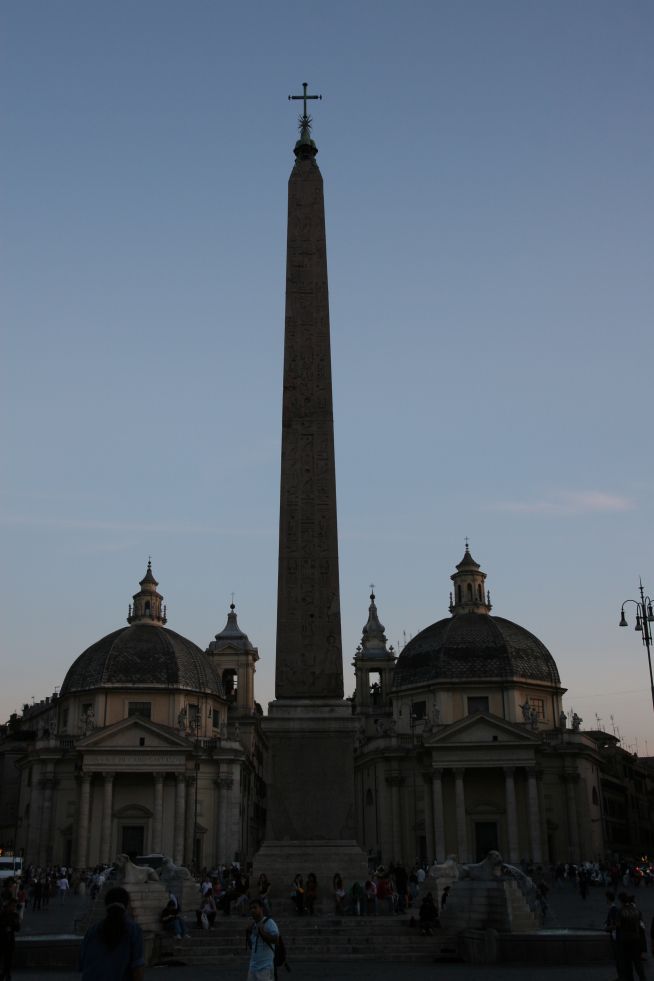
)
(387, 890)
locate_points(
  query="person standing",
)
(63, 885)
(112, 950)
(297, 893)
(261, 938)
(628, 939)
(610, 925)
(339, 894)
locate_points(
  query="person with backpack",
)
(261, 939)
(627, 931)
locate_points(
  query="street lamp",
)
(644, 617)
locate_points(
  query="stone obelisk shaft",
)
(310, 820)
(309, 660)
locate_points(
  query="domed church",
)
(151, 746)
(463, 745)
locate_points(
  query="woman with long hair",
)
(112, 950)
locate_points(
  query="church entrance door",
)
(133, 840)
(486, 839)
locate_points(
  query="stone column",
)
(189, 833)
(83, 814)
(394, 782)
(429, 816)
(32, 829)
(157, 813)
(461, 829)
(570, 780)
(180, 818)
(107, 818)
(45, 835)
(544, 829)
(225, 784)
(217, 809)
(438, 814)
(534, 816)
(249, 685)
(511, 814)
(383, 822)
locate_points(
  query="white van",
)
(11, 866)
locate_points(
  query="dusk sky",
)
(489, 199)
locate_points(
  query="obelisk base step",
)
(283, 860)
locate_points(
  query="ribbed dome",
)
(142, 656)
(474, 645)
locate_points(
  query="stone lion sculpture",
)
(486, 871)
(169, 870)
(448, 869)
(132, 874)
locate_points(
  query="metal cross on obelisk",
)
(305, 119)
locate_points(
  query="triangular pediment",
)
(482, 728)
(128, 734)
(227, 649)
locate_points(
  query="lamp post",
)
(644, 617)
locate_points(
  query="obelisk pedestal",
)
(310, 824)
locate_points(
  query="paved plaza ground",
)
(568, 910)
(362, 971)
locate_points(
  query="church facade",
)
(152, 746)
(463, 747)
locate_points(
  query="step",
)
(320, 939)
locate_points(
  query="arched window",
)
(375, 687)
(595, 797)
(230, 679)
(369, 800)
(147, 608)
(479, 596)
(469, 591)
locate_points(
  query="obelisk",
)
(310, 822)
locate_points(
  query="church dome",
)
(143, 655)
(472, 644)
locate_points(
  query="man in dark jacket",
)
(628, 939)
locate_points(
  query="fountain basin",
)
(556, 946)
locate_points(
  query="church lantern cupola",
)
(470, 595)
(373, 638)
(148, 603)
(234, 658)
(373, 665)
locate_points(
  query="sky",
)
(488, 186)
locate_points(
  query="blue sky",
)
(488, 180)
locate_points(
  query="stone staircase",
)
(328, 938)
(497, 904)
(521, 918)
